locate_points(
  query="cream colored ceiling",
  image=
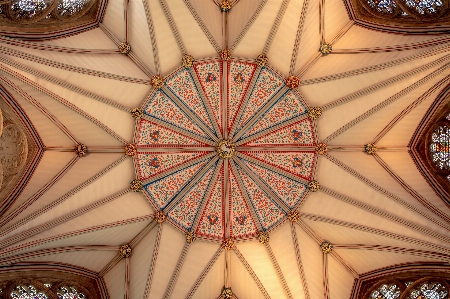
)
(116, 221)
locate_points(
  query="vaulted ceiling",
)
(376, 209)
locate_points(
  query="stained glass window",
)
(386, 291)
(68, 8)
(440, 147)
(27, 292)
(383, 6)
(425, 6)
(26, 9)
(448, 116)
(429, 290)
(69, 293)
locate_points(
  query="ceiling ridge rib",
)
(411, 190)
(6, 219)
(392, 196)
(173, 26)
(395, 249)
(72, 215)
(88, 230)
(278, 270)
(384, 214)
(130, 54)
(326, 285)
(377, 67)
(176, 271)
(385, 83)
(336, 38)
(202, 275)
(44, 252)
(298, 38)
(127, 273)
(151, 271)
(386, 102)
(125, 14)
(202, 25)
(319, 240)
(37, 105)
(151, 30)
(276, 24)
(298, 257)
(62, 101)
(6, 230)
(322, 21)
(403, 47)
(411, 107)
(251, 272)
(45, 47)
(67, 67)
(376, 231)
(248, 25)
(63, 83)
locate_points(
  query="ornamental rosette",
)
(160, 217)
(190, 237)
(315, 112)
(187, 61)
(326, 247)
(130, 150)
(313, 186)
(225, 149)
(136, 185)
(81, 150)
(225, 54)
(293, 216)
(325, 49)
(125, 251)
(124, 48)
(137, 113)
(228, 244)
(225, 5)
(227, 293)
(370, 148)
(263, 238)
(321, 148)
(262, 60)
(292, 82)
(157, 82)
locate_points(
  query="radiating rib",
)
(278, 270)
(298, 38)
(176, 271)
(301, 270)
(387, 102)
(72, 68)
(252, 273)
(151, 30)
(383, 84)
(276, 24)
(6, 230)
(50, 224)
(56, 97)
(395, 198)
(151, 272)
(173, 26)
(249, 24)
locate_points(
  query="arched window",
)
(27, 292)
(440, 147)
(386, 291)
(71, 292)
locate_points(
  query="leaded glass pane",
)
(67, 8)
(448, 116)
(386, 291)
(425, 6)
(440, 147)
(429, 290)
(27, 9)
(27, 292)
(69, 293)
(383, 6)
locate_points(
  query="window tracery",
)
(440, 147)
(405, 8)
(420, 288)
(386, 291)
(27, 292)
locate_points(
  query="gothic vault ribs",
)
(260, 171)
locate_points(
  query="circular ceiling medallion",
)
(225, 149)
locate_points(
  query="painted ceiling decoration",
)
(405, 16)
(225, 149)
(43, 19)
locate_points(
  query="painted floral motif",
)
(268, 213)
(182, 85)
(267, 84)
(163, 108)
(290, 191)
(162, 191)
(208, 75)
(150, 164)
(152, 134)
(298, 163)
(242, 223)
(288, 107)
(211, 223)
(184, 212)
(300, 133)
(241, 74)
